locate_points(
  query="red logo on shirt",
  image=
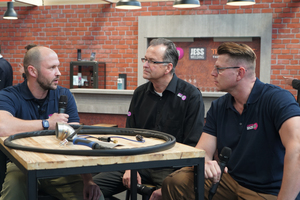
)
(252, 126)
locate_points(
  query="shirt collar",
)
(26, 93)
(256, 91)
(254, 94)
(171, 87)
(173, 83)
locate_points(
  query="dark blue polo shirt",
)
(257, 155)
(19, 101)
(179, 112)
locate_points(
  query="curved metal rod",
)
(169, 141)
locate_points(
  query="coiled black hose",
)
(169, 141)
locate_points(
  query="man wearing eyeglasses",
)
(259, 122)
(165, 103)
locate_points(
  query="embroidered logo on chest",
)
(252, 126)
(183, 97)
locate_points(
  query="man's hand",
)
(21, 68)
(91, 190)
(61, 117)
(288, 80)
(156, 195)
(127, 177)
(213, 170)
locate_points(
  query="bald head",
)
(34, 56)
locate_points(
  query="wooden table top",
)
(33, 160)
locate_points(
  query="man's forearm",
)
(291, 175)
(87, 177)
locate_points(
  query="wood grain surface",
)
(33, 160)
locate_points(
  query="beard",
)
(45, 84)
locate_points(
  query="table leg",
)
(199, 180)
(133, 185)
(32, 188)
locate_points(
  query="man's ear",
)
(169, 68)
(32, 71)
(241, 73)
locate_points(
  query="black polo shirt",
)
(178, 112)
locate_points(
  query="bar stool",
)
(144, 190)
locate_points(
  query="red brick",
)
(289, 15)
(276, 51)
(295, 62)
(296, 25)
(285, 57)
(283, 62)
(292, 67)
(293, 46)
(277, 66)
(286, 36)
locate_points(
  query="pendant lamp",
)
(186, 4)
(10, 12)
(128, 4)
(240, 2)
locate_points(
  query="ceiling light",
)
(186, 4)
(128, 4)
(240, 2)
(10, 12)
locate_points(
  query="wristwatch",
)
(45, 124)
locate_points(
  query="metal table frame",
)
(33, 175)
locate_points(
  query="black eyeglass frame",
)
(220, 68)
(153, 62)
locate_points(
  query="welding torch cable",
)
(139, 138)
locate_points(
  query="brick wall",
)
(112, 34)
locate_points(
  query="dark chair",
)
(144, 190)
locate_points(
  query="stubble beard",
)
(46, 85)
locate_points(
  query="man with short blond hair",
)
(259, 122)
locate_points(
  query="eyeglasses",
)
(153, 62)
(221, 68)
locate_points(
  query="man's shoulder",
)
(221, 101)
(11, 94)
(183, 85)
(11, 89)
(142, 88)
(273, 90)
(62, 90)
(4, 61)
